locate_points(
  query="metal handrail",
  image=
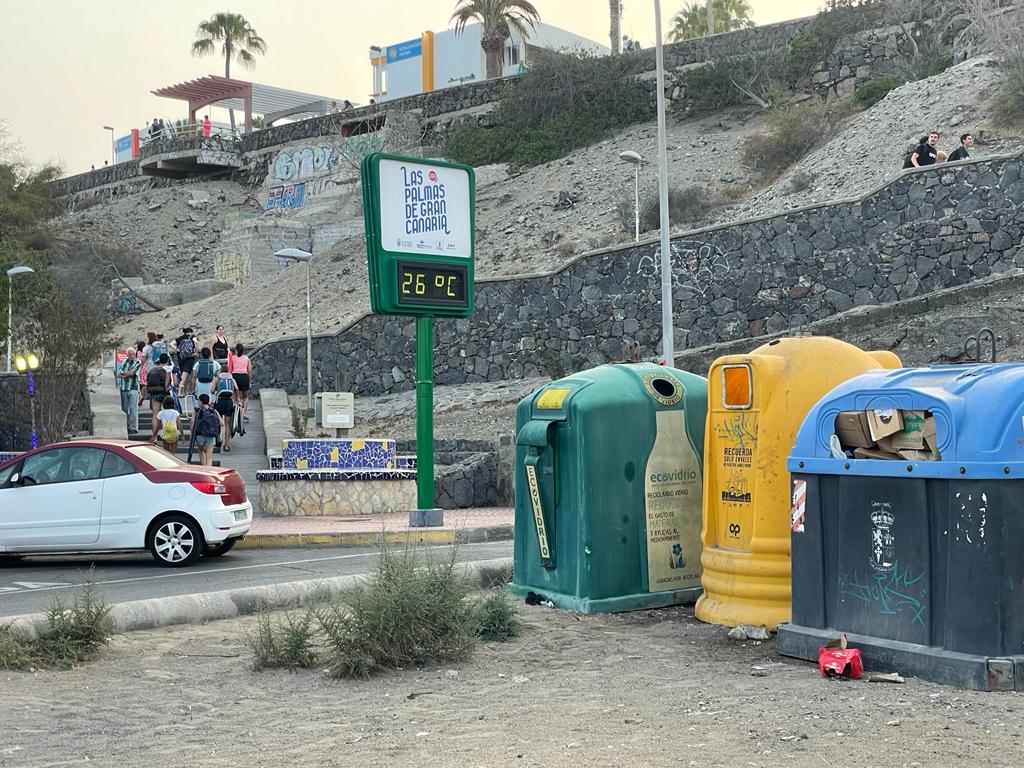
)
(189, 131)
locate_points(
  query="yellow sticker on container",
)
(552, 399)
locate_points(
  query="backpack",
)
(186, 348)
(169, 434)
(156, 380)
(224, 387)
(156, 349)
(209, 423)
(204, 371)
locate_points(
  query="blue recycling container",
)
(917, 557)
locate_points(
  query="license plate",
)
(241, 514)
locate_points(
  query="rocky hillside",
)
(539, 218)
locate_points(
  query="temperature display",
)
(437, 284)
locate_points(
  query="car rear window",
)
(157, 457)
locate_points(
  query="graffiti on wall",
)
(233, 266)
(696, 265)
(296, 164)
(286, 196)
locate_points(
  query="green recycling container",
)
(608, 478)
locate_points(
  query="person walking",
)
(169, 419)
(128, 386)
(158, 386)
(962, 152)
(207, 127)
(188, 347)
(206, 371)
(206, 428)
(240, 367)
(926, 153)
(218, 346)
(227, 394)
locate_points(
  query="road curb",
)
(231, 603)
(370, 538)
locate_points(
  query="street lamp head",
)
(107, 128)
(294, 254)
(631, 157)
(33, 361)
(19, 271)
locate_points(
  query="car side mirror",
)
(15, 479)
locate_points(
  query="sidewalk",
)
(460, 526)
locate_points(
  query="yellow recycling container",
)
(756, 404)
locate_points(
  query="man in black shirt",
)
(926, 154)
(961, 153)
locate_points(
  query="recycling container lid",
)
(978, 412)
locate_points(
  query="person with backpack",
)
(158, 387)
(170, 425)
(206, 371)
(206, 428)
(187, 345)
(227, 392)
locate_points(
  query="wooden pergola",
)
(208, 90)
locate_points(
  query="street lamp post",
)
(28, 364)
(10, 306)
(667, 340)
(113, 156)
(295, 254)
(634, 159)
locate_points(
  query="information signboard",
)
(419, 217)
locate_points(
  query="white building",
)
(436, 60)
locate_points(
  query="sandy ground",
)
(646, 689)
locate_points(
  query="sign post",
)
(420, 247)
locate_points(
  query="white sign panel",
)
(424, 209)
(337, 410)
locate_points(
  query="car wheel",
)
(176, 541)
(216, 550)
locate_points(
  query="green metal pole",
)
(425, 413)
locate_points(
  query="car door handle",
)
(86, 491)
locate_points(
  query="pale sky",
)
(69, 67)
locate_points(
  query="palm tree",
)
(239, 42)
(615, 31)
(725, 16)
(496, 17)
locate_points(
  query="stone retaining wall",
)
(926, 230)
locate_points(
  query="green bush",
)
(714, 86)
(495, 617)
(875, 90)
(794, 131)
(72, 633)
(284, 643)
(941, 64)
(412, 611)
(563, 102)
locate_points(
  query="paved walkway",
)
(248, 454)
(460, 525)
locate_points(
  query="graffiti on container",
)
(696, 265)
(895, 592)
(740, 430)
(286, 196)
(972, 520)
(303, 163)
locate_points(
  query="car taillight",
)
(214, 489)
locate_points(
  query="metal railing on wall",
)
(183, 130)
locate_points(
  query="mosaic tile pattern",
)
(5, 456)
(276, 462)
(406, 462)
(333, 475)
(338, 453)
(307, 496)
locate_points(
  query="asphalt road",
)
(27, 586)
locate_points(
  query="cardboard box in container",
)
(875, 453)
(930, 441)
(884, 422)
(911, 437)
(853, 430)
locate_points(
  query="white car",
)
(106, 495)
